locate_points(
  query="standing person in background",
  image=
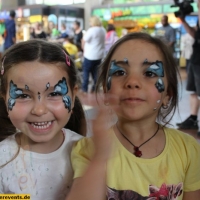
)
(93, 46)
(111, 37)
(187, 42)
(38, 32)
(10, 34)
(193, 82)
(78, 35)
(166, 33)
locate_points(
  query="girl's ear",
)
(166, 100)
(74, 93)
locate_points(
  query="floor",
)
(183, 111)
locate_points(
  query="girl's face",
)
(136, 81)
(39, 100)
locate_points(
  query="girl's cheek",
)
(57, 106)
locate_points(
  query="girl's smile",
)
(39, 100)
(41, 127)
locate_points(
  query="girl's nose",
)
(133, 82)
(39, 109)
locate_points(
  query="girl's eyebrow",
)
(24, 90)
(146, 62)
(124, 61)
(51, 88)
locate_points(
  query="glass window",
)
(54, 2)
(79, 1)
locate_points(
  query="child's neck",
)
(137, 130)
(43, 147)
(139, 134)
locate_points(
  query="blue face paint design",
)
(160, 85)
(157, 68)
(14, 93)
(113, 69)
(39, 97)
(61, 87)
(26, 87)
(126, 60)
(47, 86)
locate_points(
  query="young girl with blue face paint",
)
(39, 86)
(144, 158)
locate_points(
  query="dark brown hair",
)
(44, 52)
(6, 126)
(110, 27)
(170, 67)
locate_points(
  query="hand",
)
(101, 128)
(182, 19)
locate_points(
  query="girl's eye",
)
(23, 96)
(150, 74)
(119, 73)
(55, 94)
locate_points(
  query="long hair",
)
(6, 126)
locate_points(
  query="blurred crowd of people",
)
(87, 48)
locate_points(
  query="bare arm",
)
(191, 195)
(92, 185)
(188, 28)
(82, 44)
(14, 40)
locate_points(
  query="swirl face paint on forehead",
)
(14, 93)
(157, 68)
(113, 69)
(62, 88)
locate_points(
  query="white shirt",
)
(43, 176)
(94, 43)
(186, 45)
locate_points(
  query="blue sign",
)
(191, 20)
(4, 15)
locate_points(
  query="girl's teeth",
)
(41, 125)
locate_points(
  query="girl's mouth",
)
(41, 125)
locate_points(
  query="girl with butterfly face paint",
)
(148, 160)
(39, 86)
